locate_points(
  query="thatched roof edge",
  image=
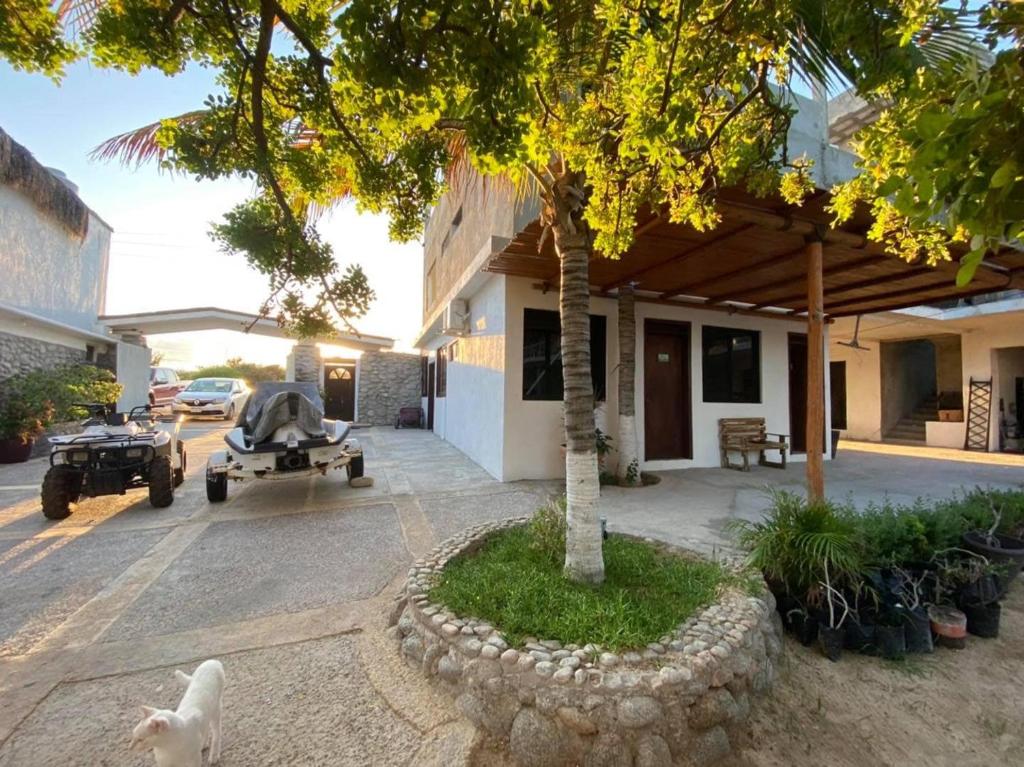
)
(21, 171)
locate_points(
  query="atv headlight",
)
(133, 452)
(78, 456)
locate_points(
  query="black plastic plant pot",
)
(983, 620)
(1009, 553)
(859, 637)
(985, 590)
(831, 641)
(788, 608)
(917, 631)
(806, 628)
(891, 641)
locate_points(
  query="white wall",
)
(46, 269)
(863, 390)
(474, 421)
(981, 338)
(133, 373)
(534, 430)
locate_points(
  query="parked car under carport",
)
(212, 398)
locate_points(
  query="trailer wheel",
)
(161, 482)
(216, 487)
(59, 491)
(355, 467)
(179, 473)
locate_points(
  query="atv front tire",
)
(355, 467)
(216, 487)
(161, 482)
(179, 474)
(60, 490)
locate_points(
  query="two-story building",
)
(722, 318)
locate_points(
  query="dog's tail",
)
(182, 677)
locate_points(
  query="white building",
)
(721, 319)
(910, 378)
(54, 257)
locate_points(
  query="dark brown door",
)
(798, 392)
(837, 381)
(668, 426)
(430, 395)
(340, 392)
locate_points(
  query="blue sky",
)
(161, 256)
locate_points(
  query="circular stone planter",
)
(673, 702)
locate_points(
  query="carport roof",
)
(213, 318)
(755, 260)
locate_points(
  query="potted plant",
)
(890, 633)
(22, 419)
(949, 625)
(917, 630)
(832, 634)
(1002, 550)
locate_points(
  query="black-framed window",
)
(731, 364)
(542, 355)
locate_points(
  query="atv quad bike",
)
(115, 452)
(281, 433)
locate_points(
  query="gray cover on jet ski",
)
(277, 404)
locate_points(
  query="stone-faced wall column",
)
(629, 459)
(304, 363)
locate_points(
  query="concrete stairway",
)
(911, 428)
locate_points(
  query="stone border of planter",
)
(673, 702)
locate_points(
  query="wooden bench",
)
(748, 435)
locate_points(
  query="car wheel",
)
(60, 490)
(161, 482)
(231, 413)
(355, 467)
(216, 487)
(179, 473)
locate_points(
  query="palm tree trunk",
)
(584, 560)
(629, 459)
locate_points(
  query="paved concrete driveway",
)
(288, 584)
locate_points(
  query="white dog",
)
(178, 737)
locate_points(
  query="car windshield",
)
(210, 385)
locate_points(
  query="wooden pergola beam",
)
(849, 266)
(861, 284)
(852, 312)
(678, 258)
(905, 293)
(692, 287)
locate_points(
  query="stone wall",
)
(23, 355)
(675, 702)
(386, 382)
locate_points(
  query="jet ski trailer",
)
(281, 433)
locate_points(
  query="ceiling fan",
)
(854, 343)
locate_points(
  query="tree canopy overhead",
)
(651, 103)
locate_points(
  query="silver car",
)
(212, 397)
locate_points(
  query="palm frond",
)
(139, 146)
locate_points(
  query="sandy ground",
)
(961, 707)
(289, 584)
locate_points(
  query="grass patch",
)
(515, 582)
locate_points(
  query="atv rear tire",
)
(161, 482)
(179, 474)
(216, 487)
(355, 467)
(59, 491)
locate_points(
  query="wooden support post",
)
(815, 369)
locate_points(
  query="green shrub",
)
(800, 544)
(33, 401)
(547, 530)
(236, 367)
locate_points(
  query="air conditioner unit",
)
(455, 318)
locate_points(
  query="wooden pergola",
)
(770, 259)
